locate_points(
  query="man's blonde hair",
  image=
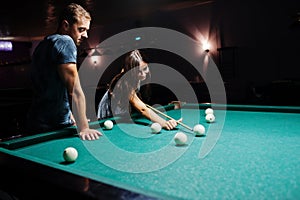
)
(73, 13)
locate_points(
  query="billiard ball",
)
(108, 124)
(210, 118)
(209, 111)
(199, 130)
(180, 138)
(70, 154)
(155, 127)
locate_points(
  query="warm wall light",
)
(95, 56)
(206, 46)
(96, 53)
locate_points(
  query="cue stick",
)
(167, 116)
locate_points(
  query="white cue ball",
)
(180, 138)
(199, 130)
(70, 154)
(155, 127)
(108, 124)
(210, 118)
(209, 111)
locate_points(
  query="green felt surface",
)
(256, 157)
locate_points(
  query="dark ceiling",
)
(35, 18)
(24, 20)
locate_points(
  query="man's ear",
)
(65, 25)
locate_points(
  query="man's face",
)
(79, 31)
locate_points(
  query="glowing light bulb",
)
(206, 46)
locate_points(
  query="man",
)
(55, 77)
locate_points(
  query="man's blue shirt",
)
(50, 108)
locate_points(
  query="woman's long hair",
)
(125, 83)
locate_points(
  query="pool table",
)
(248, 152)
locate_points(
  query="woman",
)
(122, 92)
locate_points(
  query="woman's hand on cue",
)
(171, 124)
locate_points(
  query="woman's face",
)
(143, 71)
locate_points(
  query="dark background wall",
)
(255, 44)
